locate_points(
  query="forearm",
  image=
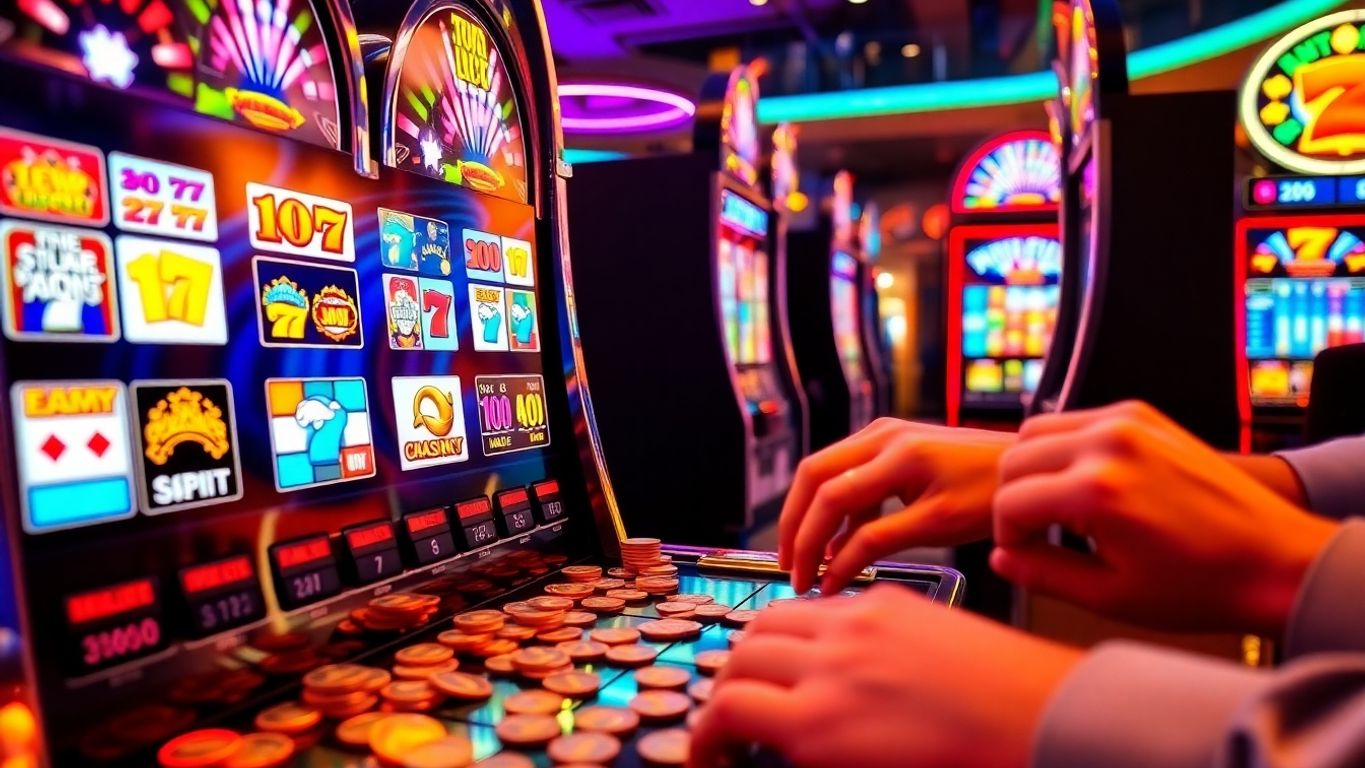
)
(1129, 706)
(1275, 473)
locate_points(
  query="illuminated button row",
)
(121, 622)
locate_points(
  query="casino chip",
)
(533, 702)
(631, 655)
(614, 635)
(661, 706)
(662, 677)
(461, 685)
(611, 720)
(573, 684)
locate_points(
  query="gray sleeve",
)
(1333, 476)
(1130, 706)
(1327, 615)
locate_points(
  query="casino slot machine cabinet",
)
(876, 348)
(1004, 275)
(1144, 240)
(825, 291)
(1300, 255)
(682, 329)
(273, 492)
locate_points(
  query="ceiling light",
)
(857, 2)
(621, 108)
(885, 280)
(910, 50)
(758, 3)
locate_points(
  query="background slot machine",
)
(682, 327)
(1004, 275)
(876, 343)
(788, 199)
(273, 414)
(825, 288)
(1300, 255)
(1145, 290)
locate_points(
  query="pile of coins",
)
(538, 640)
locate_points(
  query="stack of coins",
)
(422, 660)
(641, 553)
(398, 612)
(340, 691)
(540, 619)
(582, 574)
(411, 696)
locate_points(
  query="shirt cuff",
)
(1133, 706)
(1325, 617)
(1331, 476)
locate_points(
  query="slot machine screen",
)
(221, 347)
(846, 308)
(743, 279)
(1009, 309)
(1305, 292)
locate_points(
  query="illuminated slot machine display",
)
(1144, 271)
(275, 413)
(683, 327)
(825, 291)
(876, 344)
(1004, 275)
(1300, 255)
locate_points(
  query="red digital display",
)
(110, 601)
(367, 537)
(512, 498)
(469, 510)
(425, 521)
(202, 578)
(303, 552)
(546, 488)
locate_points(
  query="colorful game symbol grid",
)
(319, 431)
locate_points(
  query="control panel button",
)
(113, 625)
(476, 522)
(429, 537)
(548, 508)
(222, 595)
(513, 512)
(372, 551)
(305, 570)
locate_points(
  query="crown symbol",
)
(184, 416)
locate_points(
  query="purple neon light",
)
(639, 109)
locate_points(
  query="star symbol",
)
(431, 154)
(107, 57)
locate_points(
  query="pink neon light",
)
(47, 13)
(677, 108)
(172, 55)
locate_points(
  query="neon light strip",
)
(577, 156)
(1036, 86)
(676, 108)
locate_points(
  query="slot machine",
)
(1004, 274)
(1144, 268)
(788, 202)
(293, 400)
(683, 330)
(876, 346)
(1300, 256)
(825, 291)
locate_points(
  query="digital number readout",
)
(514, 512)
(305, 571)
(374, 551)
(476, 522)
(429, 536)
(1305, 192)
(222, 595)
(548, 505)
(162, 198)
(114, 624)
(512, 413)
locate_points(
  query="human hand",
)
(885, 679)
(1182, 539)
(945, 476)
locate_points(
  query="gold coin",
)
(662, 677)
(711, 662)
(393, 737)
(613, 720)
(289, 717)
(262, 750)
(355, 731)
(508, 760)
(614, 635)
(336, 678)
(199, 749)
(528, 730)
(448, 752)
(573, 684)
(668, 747)
(423, 654)
(461, 685)
(631, 655)
(586, 747)
(533, 702)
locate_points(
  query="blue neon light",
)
(742, 214)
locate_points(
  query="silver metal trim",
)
(353, 70)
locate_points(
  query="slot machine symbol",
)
(523, 335)
(58, 283)
(405, 314)
(319, 431)
(487, 302)
(517, 262)
(429, 416)
(398, 238)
